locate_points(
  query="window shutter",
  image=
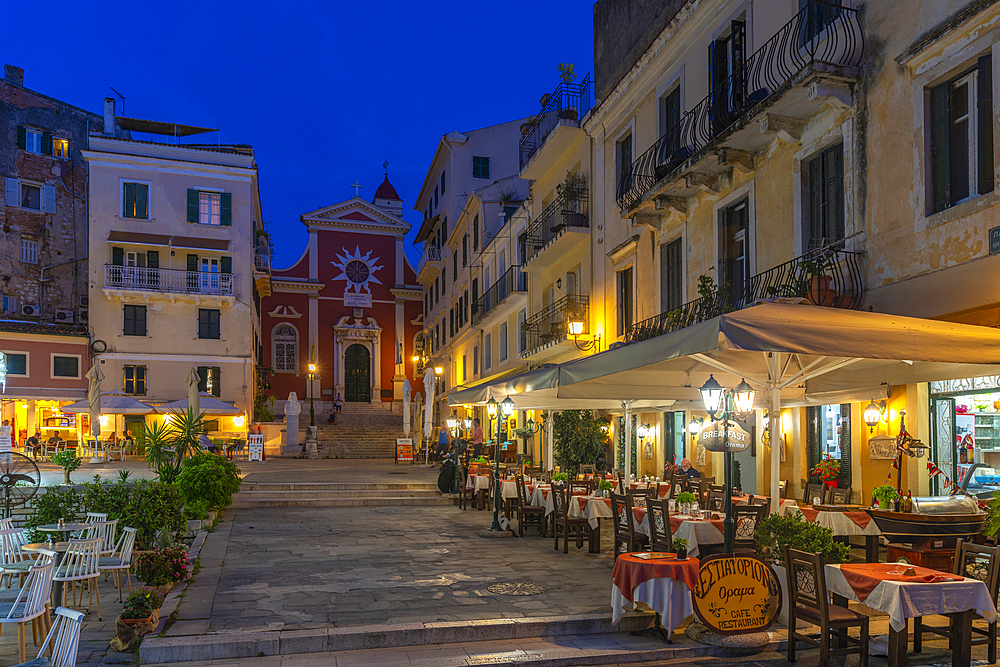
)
(49, 192)
(46, 143)
(129, 201)
(118, 256)
(985, 94)
(140, 318)
(192, 213)
(816, 198)
(226, 201)
(203, 376)
(13, 188)
(141, 200)
(812, 439)
(844, 481)
(739, 40)
(216, 381)
(833, 194)
(22, 137)
(153, 259)
(227, 264)
(192, 263)
(940, 167)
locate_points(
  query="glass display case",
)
(983, 434)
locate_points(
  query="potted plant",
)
(828, 471)
(884, 494)
(559, 477)
(685, 499)
(680, 548)
(163, 567)
(604, 487)
(140, 606)
(817, 269)
(68, 461)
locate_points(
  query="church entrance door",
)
(357, 375)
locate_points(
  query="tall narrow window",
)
(210, 380)
(624, 155)
(502, 341)
(826, 197)
(135, 380)
(135, 320)
(625, 301)
(209, 208)
(208, 323)
(475, 232)
(465, 250)
(488, 352)
(135, 201)
(29, 251)
(671, 113)
(286, 349)
(671, 276)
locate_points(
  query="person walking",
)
(477, 438)
(444, 443)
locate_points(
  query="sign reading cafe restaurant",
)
(736, 595)
(723, 436)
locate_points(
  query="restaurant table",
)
(784, 504)
(65, 528)
(593, 509)
(663, 488)
(662, 584)
(540, 497)
(844, 524)
(882, 586)
(479, 485)
(697, 531)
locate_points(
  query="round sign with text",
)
(736, 595)
(723, 436)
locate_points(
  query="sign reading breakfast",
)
(723, 436)
(736, 595)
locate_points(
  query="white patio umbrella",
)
(193, 400)
(111, 403)
(417, 414)
(799, 355)
(206, 403)
(429, 382)
(406, 407)
(94, 377)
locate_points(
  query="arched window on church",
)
(285, 342)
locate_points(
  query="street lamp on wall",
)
(575, 328)
(873, 414)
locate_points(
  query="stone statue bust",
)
(292, 406)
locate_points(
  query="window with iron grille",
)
(285, 352)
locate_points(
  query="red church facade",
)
(351, 305)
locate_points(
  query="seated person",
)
(207, 444)
(35, 443)
(332, 418)
(113, 438)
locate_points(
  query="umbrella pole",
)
(774, 417)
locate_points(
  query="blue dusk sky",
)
(324, 91)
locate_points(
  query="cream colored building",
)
(175, 265)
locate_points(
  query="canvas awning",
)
(798, 354)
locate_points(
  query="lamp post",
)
(506, 408)
(736, 403)
(312, 410)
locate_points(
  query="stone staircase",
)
(338, 494)
(362, 431)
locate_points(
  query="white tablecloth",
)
(671, 598)
(477, 482)
(836, 521)
(698, 532)
(508, 489)
(545, 500)
(596, 508)
(904, 600)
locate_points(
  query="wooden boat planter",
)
(911, 527)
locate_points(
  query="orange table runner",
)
(676, 521)
(862, 519)
(864, 577)
(809, 513)
(583, 500)
(630, 571)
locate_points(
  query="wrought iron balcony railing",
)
(513, 280)
(551, 325)
(262, 259)
(570, 209)
(821, 33)
(167, 280)
(826, 276)
(570, 101)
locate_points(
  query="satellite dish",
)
(19, 480)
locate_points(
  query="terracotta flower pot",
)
(137, 621)
(820, 292)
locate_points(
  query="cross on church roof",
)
(356, 187)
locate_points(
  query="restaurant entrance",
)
(965, 431)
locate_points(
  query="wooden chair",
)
(579, 488)
(527, 513)
(120, 560)
(575, 527)
(745, 520)
(81, 563)
(839, 496)
(62, 641)
(699, 487)
(976, 562)
(30, 602)
(464, 493)
(716, 501)
(660, 534)
(678, 484)
(814, 491)
(625, 532)
(637, 497)
(588, 470)
(806, 577)
(106, 531)
(619, 474)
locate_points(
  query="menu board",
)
(404, 450)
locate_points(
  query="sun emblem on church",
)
(358, 270)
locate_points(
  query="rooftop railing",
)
(821, 32)
(569, 101)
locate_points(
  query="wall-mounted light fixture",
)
(874, 414)
(576, 327)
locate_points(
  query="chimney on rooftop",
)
(109, 116)
(13, 74)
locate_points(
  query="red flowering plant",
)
(828, 470)
(166, 565)
(672, 467)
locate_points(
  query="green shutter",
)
(833, 186)
(226, 201)
(216, 381)
(118, 256)
(192, 262)
(141, 200)
(816, 197)
(153, 259)
(46, 143)
(985, 94)
(940, 167)
(22, 137)
(227, 264)
(192, 214)
(129, 205)
(203, 378)
(844, 481)
(812, 439)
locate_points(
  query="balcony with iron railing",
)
(564, 107)
(812, 59)
(430, 265)
(550, 326)
(262, 259)
(561, 224)
(513, 281)
(144, 279)
(827, 276)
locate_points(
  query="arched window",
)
(285, 348)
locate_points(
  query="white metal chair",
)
(13, 560)
(116, 449)
(106, 530)
(7, 523)
(63, 639)
(81, 564)
(30, 603)
(120, 560)
(255, 448)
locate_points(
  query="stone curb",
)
(286, 642)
